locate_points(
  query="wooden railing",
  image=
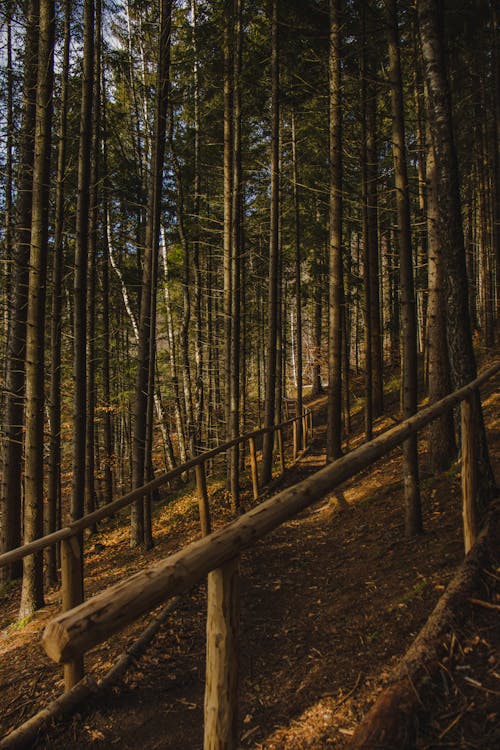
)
(76, 630)
(68, 636)
(71, 536)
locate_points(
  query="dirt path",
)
(329, 602)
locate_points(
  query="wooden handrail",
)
(73, 633)
(86, 522)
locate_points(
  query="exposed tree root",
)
(392, 720)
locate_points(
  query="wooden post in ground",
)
(295, 438)
(281, 449)
(72, 595)
(305, 434)
(221, 682)
(469, 474)
(253, 468)
(311, 428)
(203, 503)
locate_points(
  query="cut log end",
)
(55, 641)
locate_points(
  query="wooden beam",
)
(72, 633)
(110, 509)
(72, 595)
(281, 449)
(203, 502)
(221, 681)
(253, 468)
(469, 474)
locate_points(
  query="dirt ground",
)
(329, 602)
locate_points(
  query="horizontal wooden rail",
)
(86, 522)
(72, 633)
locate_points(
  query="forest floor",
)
(329, 603)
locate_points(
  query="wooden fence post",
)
(311, 428)
(469, 473)
(281, 449)
(305, 435)
(72, 595)
(221, 681)
(203, 503)
(295, 438)
(253, 468)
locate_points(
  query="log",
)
(27, 733)
(72, 633)
(137, 648)
(391, 722)
(221, 682)
(66, 703)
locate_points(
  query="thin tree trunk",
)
(366, 228)
(336, 273)
(373, 237)
(199, 388)
(234, 405)
(441, 431)
(9, 187)
(413, 512)
(149, 280)
(90, 491)
(272, 322)
(298, 286)
(108, 431)
(54, 468)
(227, 233)
(80, 276)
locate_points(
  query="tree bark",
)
(413, 512)
(298, 284)
(336, 273)
(11, 488)
(236, 209)
(272, 322)
(32, 589)
(459, 335)
(148, 296)
(94, 192)
(441, 432)
(54, 468)
(80, 274)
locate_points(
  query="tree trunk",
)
(11, 494)
(54, 469)
(227, 234)
(32, 589)
(272, 322)
(90, 491)
(336, 273)
(298, 289)
(149, 279)
(413, 513)
(441, 432)
(80, 277)
(236, 209)
(459, 336)
(366, 216)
